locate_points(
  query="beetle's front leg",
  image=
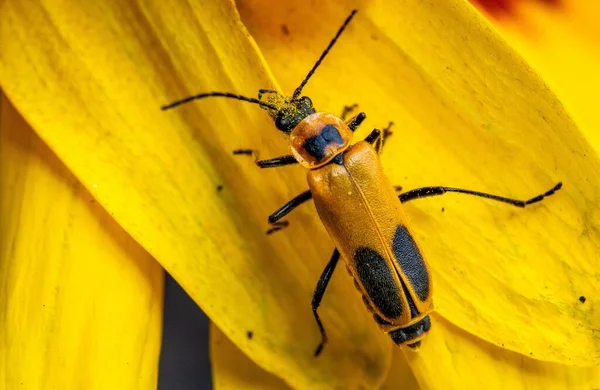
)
(268, 163)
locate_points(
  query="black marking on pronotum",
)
(400, 336)
(378, 281)
(316, 144)
(411, 262)
(582, 299)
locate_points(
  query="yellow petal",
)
(469, 113)
(90, 79)
(158, 172)
(453, 359)
(232, 370)
(400, 375)
(561, 42)
(81, 303)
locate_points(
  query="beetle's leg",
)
(433, 191)
(274, 219)
(318, 296)
(375, 134)
(269, 163)
(275, 226)
(380, 142)
(356, 121)
(263, 91)
(347, 110)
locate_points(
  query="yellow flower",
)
(114, 189)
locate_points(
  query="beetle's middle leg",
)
(274, 219)
(318, 296)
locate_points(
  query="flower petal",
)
(451, 358)
(469, 113)
(232, 370)
(562, 43)
(400, 375)
(81, 303)
(90, 79)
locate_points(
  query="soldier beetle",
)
(359, 207)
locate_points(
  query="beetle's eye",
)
(306, 101)
(283, 123)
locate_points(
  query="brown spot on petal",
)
(503, 8)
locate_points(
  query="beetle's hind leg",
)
(318, 296)
(433, 191)
(274, 219)
(288, 159)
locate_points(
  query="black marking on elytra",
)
(582, 299)
(411, 262)
(316, 144)
(366, 302)
(249, 334)
(401, 336)
(378, 282)
(414, 312)
(219, 188)
(380, 320)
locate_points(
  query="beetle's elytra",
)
(358, 206)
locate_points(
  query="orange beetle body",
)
(364, 218)
(359, 208)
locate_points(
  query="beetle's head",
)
(286, 111)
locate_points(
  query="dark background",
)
(184, 359)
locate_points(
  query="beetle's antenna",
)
(221, 94)
(298, 90)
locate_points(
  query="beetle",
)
(358, 206)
